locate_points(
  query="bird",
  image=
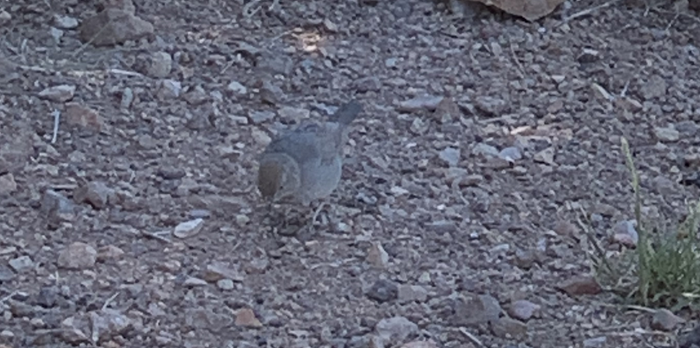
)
(305, 164)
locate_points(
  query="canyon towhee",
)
(305, 164)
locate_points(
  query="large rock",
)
(114, 26)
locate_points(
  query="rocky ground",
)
(136, 222)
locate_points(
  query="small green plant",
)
(664, 271)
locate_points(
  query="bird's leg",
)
(317, 211)
(270, 219)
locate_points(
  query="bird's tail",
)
(347, 112)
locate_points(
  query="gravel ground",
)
(455, 224)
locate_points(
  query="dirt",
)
(139, 224)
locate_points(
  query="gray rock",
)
(396, 329)
(113, 26)
(383, 290)
(450, 155)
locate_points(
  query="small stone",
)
(581, 285)
(558, 78)
(511, 154)
(260, 137)
(47, 296)
(196, 96)
(450, 156)
(545, 156)
(171, 172)
(595, 342)
(60, 93)
(258, 117)
(7, 184)
(665, 320)
(83, 116)
(65, 22)
(588, 56)
(420, 344)
(472, 180)
(419, 126)
(456, 175)
(77, 256)
(441, 226)
(73, 330)
(474, 310)
(424, 102)
(330, 26)
(107, 323)
(5, 17)
(500, 248)
(270, 93)
(526, 258)
(109, 252)
(156, 311)
(667, 134)
(565, 229)
(169, 89)
(273, 62)
(367, 84)
(245, 317)
(689, 128)
(523, 309)
(36, 323)
(292, 113)
(95, 193)
(377, 256)
(6, 274)
(171, 266)
(225, 284)
(664, 185)
(192, 282)
(411, 293)
(506, 327)
(485, 150)
(396, 329)
(189, 228)
(160, 65)
(127, 98)
(257, 266)
(21, 264)
(654, 88)
(200, 213)
(625, 240)
(146, 141)
(242, 220)
(56, 206)
(113, 26)
(624, 233)
(601, 93)
(447, 111)
(56, 34)
(236, 88)
(490, 105)
(383, 290)
(628, 103)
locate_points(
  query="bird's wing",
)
(301, 143)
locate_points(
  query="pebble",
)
(77, 256)
(383, 290)
(450, 155)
